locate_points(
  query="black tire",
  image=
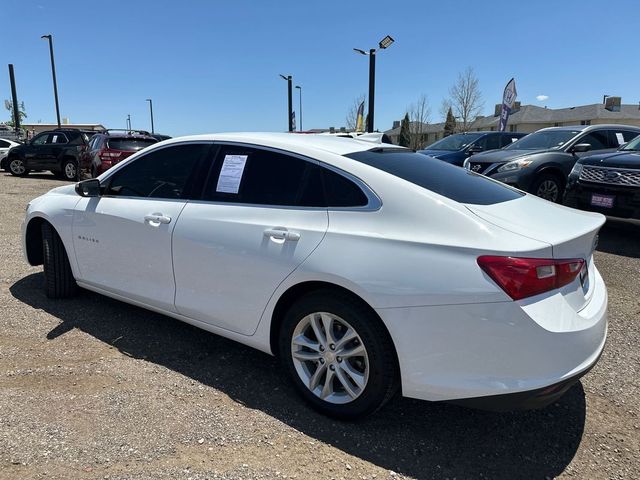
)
(548, 186)
(69, 169)
(383, 377)
(17, 167)
(58, 277)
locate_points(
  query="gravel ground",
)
(93, 388)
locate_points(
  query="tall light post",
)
(289, 80)
(151, 112)
(384, 43)
(300, 91)
(53, 73)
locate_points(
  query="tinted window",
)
(265, 178)
(342, 192)
(455, 142)
(129, 144)
(4, 144)
(507, 140)
(440, 177)
(489, 142)
(620, 137)
(57, 138)
(40, 139)
(163, 173)
(597, 140)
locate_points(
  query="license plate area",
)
(602, 201)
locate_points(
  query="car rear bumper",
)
(626, 201)
(497, 353)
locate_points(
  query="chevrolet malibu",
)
(365, 267)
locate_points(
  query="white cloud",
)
(542, 98)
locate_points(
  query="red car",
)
(109, 148)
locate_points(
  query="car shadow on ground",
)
(620, 237)
(417, 439)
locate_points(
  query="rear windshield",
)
(130, 144)
(437, 176)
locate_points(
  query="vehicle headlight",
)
(515, 165)
(576, 170)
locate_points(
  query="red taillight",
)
(524, 277)
(109, 155)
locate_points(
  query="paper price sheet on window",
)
(231, 173)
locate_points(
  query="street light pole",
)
(151, 111)
(384, 43)
(289, 80)
(300, 91)
(53, 73)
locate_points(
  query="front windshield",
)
(454, 142)
(633, 144)
(544, 140)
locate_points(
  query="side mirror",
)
(581, 148)
(88, 188)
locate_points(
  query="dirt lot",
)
(93, 388)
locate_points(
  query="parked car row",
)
(594, 168)
(71, 153)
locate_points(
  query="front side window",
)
(455, 142)
(163, 173)
(489, 142)
(40, 139)
(597, 140)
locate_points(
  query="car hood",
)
(63, 190)
(617, 160)
(441, 154)
(503, 156)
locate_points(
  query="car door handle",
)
(281, 234)
(157, 218)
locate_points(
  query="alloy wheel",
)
(17, 167)
(70, 171)
(330, 357)
(548, 190)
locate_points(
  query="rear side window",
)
(445, 179)
(57, 138)
(342, 192)
(163, 173)
(4, 144)
(129, 144)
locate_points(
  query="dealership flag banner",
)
(359, 118)
(508, 99)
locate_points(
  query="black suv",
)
(540, 162)
(607, 183)
(56, 150)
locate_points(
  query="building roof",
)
(534, 114)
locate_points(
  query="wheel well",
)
(555, 172)
(289, 297)
(33, 238)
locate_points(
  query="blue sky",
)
(213, 65)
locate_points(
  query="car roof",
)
(585, 128)
(287, 141)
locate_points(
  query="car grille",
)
(612, 176)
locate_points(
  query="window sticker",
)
(231, 173)
(55, 139)
(620, 138)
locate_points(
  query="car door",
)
(122, 239)
(52, 156)
(35, 152)
(260, 217)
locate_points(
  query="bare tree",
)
(466, 98)
(420, 116)
(352, 113)
(444, 109)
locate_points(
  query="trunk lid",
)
(571, 234)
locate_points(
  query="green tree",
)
(404, 139)
(449, 124)
(8, 104)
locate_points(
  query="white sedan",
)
(5, 146)
(365, 267)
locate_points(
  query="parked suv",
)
(540, 162)
(111, 147)
(456, 148)
(607, 183)
(56, 150)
